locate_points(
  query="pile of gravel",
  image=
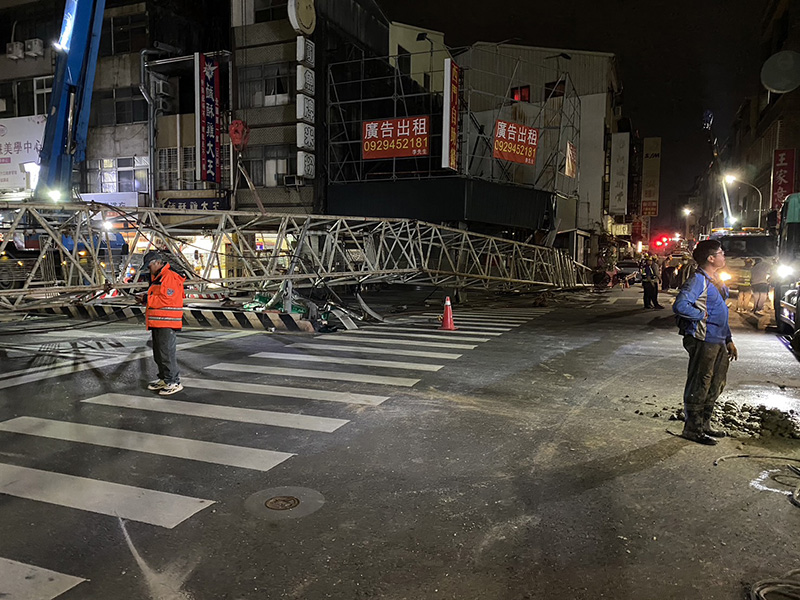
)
(753, 421)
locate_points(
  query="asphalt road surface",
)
(524, 456)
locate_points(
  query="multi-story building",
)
(764, 123)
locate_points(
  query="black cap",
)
(150, 257)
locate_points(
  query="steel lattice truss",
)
(76, 258)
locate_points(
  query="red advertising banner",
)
(783, 176)
(450, 121)
(210, 153)
(516, 143)
(396, 138)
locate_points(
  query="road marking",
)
(311, 374)
(151, 443)
(112, 499)
(479, 314)
(361, 362)
(420, 329)
(345, 338)
(427, 336)
(19, 581)
(96, 364)
(373, 350)
(285, 391)
(487, 318)
(223, 413)
(472, 323)
(82, 334)
(479, 322)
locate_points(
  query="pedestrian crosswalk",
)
(286, 388)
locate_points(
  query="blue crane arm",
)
(68, 114)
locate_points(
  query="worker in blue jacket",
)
(703, 321)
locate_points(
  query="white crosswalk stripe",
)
(340, 360)
(151, 443)
(112, 499)
(373, 350)
(484, 317)
(223, 413)
(458, 333)
(426, 336)
(285, 391)
(346, 338)
(318, 374)
(19, 581)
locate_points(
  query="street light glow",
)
(687, 211)
(730, 178)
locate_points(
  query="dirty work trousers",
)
(650, 293)
(708, 371)
(164, 353)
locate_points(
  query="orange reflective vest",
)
(165, 300)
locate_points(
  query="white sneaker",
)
(170, 388)
(158, 384)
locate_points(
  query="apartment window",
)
(267, 165)
(109, 175)
(168, 169)
(403, 61)
(123, 35)
(42, 89)
(130, 106)
(271, 10)
(554, 89)
(266, 85)
(521, 93)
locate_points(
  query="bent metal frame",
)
(75, 260)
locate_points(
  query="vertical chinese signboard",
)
(515, 143)
(208, 116)
(396, 138)
(783, 176)
(651, 176)
(450, 115)
(618, 188)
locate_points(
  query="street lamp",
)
(734, 179)
(686, 213)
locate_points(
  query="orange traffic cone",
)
(447, 320)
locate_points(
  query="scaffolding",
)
(381, 88)
(74, 257)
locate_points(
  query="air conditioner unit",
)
(15, 50)
(34, 47)
(163, 88)
(292, 181)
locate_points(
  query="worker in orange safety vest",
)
(164, 318)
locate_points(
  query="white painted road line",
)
(19, 581)
(223, 413)
(112, 499)
(479, 315)
(371, 350)
(151, 443)
(284, 391)
(427, 336)
(344, 338)
(420, 329)
(312, 374)
(346, 360)
(96, 364)
(473, 323)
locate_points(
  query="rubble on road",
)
(753, 421)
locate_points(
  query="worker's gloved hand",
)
(141, 298)
(733, 353)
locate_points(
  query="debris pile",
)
(755, 421)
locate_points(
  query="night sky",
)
(676, 59)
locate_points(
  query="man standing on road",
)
(703, 322)
(164, 318)
(650, 284)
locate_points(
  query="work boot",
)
(700, 438)
(708, 429)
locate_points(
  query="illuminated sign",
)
(783, 174)
(515, 143)
(406, 137)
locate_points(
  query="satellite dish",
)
(781, 73)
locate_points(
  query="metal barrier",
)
(71, 254)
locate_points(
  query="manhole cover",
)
(284, 503)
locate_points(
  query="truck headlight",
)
(725, 276)
(785, 271)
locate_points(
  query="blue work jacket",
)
(701, 309)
